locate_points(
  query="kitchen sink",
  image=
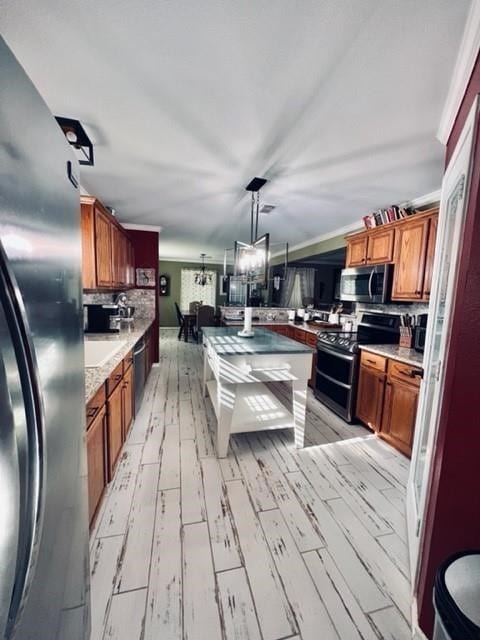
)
(99, 352)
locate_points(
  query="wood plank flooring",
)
(271, 543)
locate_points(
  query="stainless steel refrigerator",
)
(44, 571)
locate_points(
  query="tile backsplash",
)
(412, 308)
(142, 299)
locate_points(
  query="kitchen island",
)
(237, 372)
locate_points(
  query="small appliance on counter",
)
(101, 318)
(420, 332)
(125, 311)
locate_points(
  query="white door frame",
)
(453, 207)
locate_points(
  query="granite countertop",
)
(129, 332)
(298, 325)
(226, 341)
(403, 354)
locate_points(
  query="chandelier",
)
(203, 277)
(251, 260)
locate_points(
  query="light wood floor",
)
(268, 544)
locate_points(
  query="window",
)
(189, 291)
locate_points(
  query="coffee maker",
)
(101, 318)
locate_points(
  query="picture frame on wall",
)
(145, 278)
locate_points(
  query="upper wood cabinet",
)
(357, 250)
(380, 246)
(373, 247)
(103, 250)
(107, 253)
(412, 243)
(432, 238)
(408, 243)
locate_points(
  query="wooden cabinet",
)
(408, 243)
(96, 461)
(115, 428)
(380, 246)
(127, 401)
(103, 249)
(107, 254)
(357, 250)
(410, 256)
(400, 411)
(374, 247)
(432, 238)
(371, 389)
(387, 398)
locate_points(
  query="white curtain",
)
(288, 286)
(189, 291)
(307, 282)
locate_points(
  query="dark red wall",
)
(145, 245)
(453, 513)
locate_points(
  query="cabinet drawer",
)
(373, 360)
(311, 339)
(94, 406)
(128, 360)
(114, 378)
(299, 335)
(405, 372)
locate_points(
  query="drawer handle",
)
(117, 377)
(412, 373)
(92, 412)
(370, 361)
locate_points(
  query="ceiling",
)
(336, 102)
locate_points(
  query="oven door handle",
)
(370, 280)
(332, 352)
(337, 382)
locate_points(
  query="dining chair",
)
(180, 320)
(193, 306)
(205, 317)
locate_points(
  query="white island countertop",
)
(225, 341)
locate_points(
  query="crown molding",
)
(349, 228)
(141, 227)
(467, 54)
(211, 261)
(422, 201)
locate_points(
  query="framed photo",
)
(145, 278)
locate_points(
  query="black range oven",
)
(337, 360)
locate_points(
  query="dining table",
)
(189, 318)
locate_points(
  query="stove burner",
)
(341, 340)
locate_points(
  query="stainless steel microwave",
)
(366, 284)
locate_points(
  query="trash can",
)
(456, 597)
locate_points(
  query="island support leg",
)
(226, 405)
(299, 400)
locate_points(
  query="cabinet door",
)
(356, 251)
(89, 275)
(103, 249)
(290, 332)
(117, 255)
(399, 413)
(432, 238)
(410, 252)
(130, 275)
(96, 461)
(371, 386)
(115, 428)
(380, 246)
(127, 401)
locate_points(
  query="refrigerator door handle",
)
(30, 529)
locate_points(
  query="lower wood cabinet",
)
(371, 388)
(96, 461)
(115, 427)
(387, 398)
